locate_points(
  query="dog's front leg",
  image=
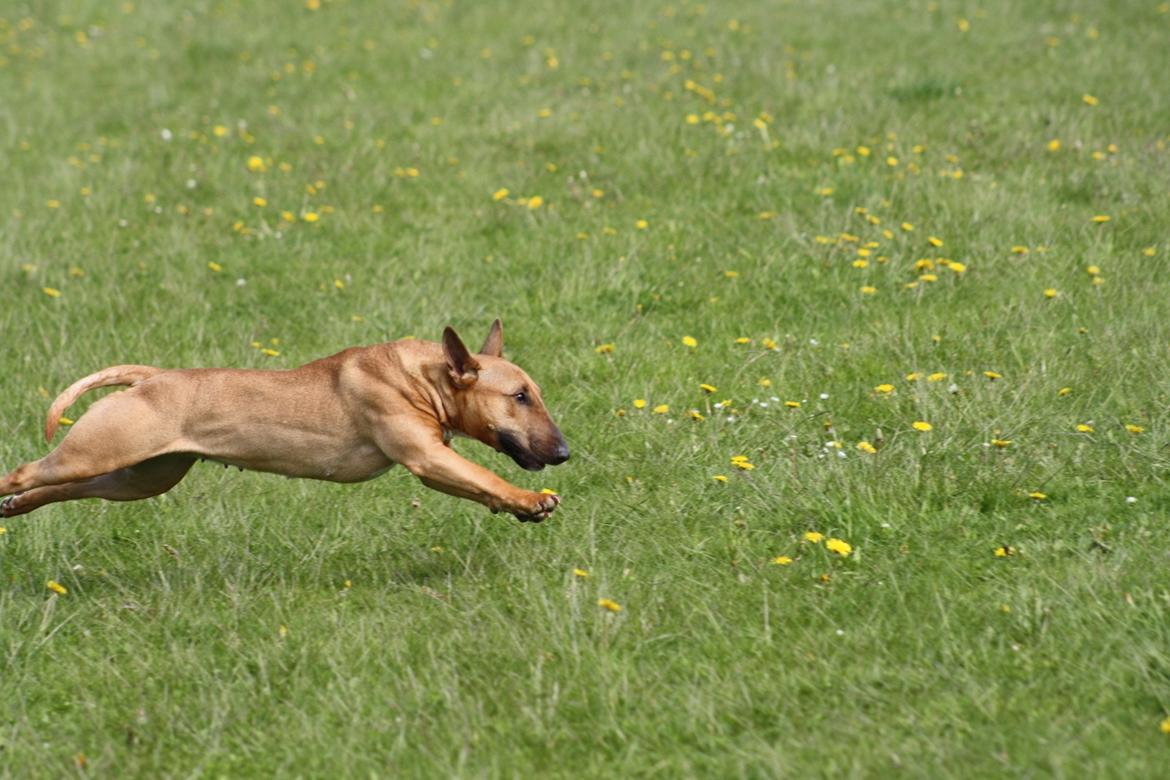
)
(441, 468)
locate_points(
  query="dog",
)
(345, 418)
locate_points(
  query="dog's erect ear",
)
(462, 367)
(493, 345)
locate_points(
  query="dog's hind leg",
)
(117, 432)
(142, 480)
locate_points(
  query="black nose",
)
(560, 454)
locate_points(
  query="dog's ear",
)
(493, 345)
(462, 367)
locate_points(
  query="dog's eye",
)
(521, 398)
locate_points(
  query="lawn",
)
(856, 317)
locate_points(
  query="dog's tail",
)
(114, 375)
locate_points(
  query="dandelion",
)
(868, 290)
(866, 447)
(1164, 726)
(641, 224)
(1084, 428)
(604, 349)
(792, 404)
(1101, 218)
(784, 560)
(56, 587)
(310, 216)
(884, 389)
(1036, 495)
(609, 604)
(992, 375)
(270, 352)
(813, 536)
(500, 194)
(1135, 429)
(937, 376)
(1054, 145)
(639, 403)
(260, 202)
(1003, 551)
(52, 292)
(1089, 100)
(1062, 392)
(722, 478)
(1050, 293)
(706, 388)
(922, 425)
(661, 409)
(582, 573)
(256, 164)
(535, 202)
(907, 227)
(1093, 270)
(1001, 443)
(935, 241)
(689, 341)
(839, 546)
(696, 415)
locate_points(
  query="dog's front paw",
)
(537, 507)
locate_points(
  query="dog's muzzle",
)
(531, 459)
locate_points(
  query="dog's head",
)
(500, 405)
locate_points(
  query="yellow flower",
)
(907, 227)
(1004, 551)
(1062, 392)
(937, 376)
(992, 375)
(696, 415)
(535, 202)
(310, 216)
(884, 389)
(1164, 726)
(720, 478)
(641, 224)
(256, 164)
(1054, 145)
(270, 352)
(603, 349)
(866, 447)
(500, 194)
(56, 587)
(609, 604)
(839, 546)
(580, 573)
(913, 376)
(1001, 443)
(784, 560)
(1083, 428)
(1050, 292)
(1089, 100)
(639, 403)
(792, 404)
(935, 241)
(922, 425)
(706, 388)
(1101, 218)
(661, 409)
(261, 202)
(548, 492)
(52, 292)
(1134, 428)
(1093, 270)
(689, 341)
(868, 290)
(1036, 495)
(813, 536)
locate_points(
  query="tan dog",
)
(344, 418)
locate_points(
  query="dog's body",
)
(345, 418)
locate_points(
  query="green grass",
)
(248, 625)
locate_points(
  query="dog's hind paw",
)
(6, 507)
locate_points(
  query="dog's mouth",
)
(511, 447)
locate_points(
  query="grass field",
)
(853, 220)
